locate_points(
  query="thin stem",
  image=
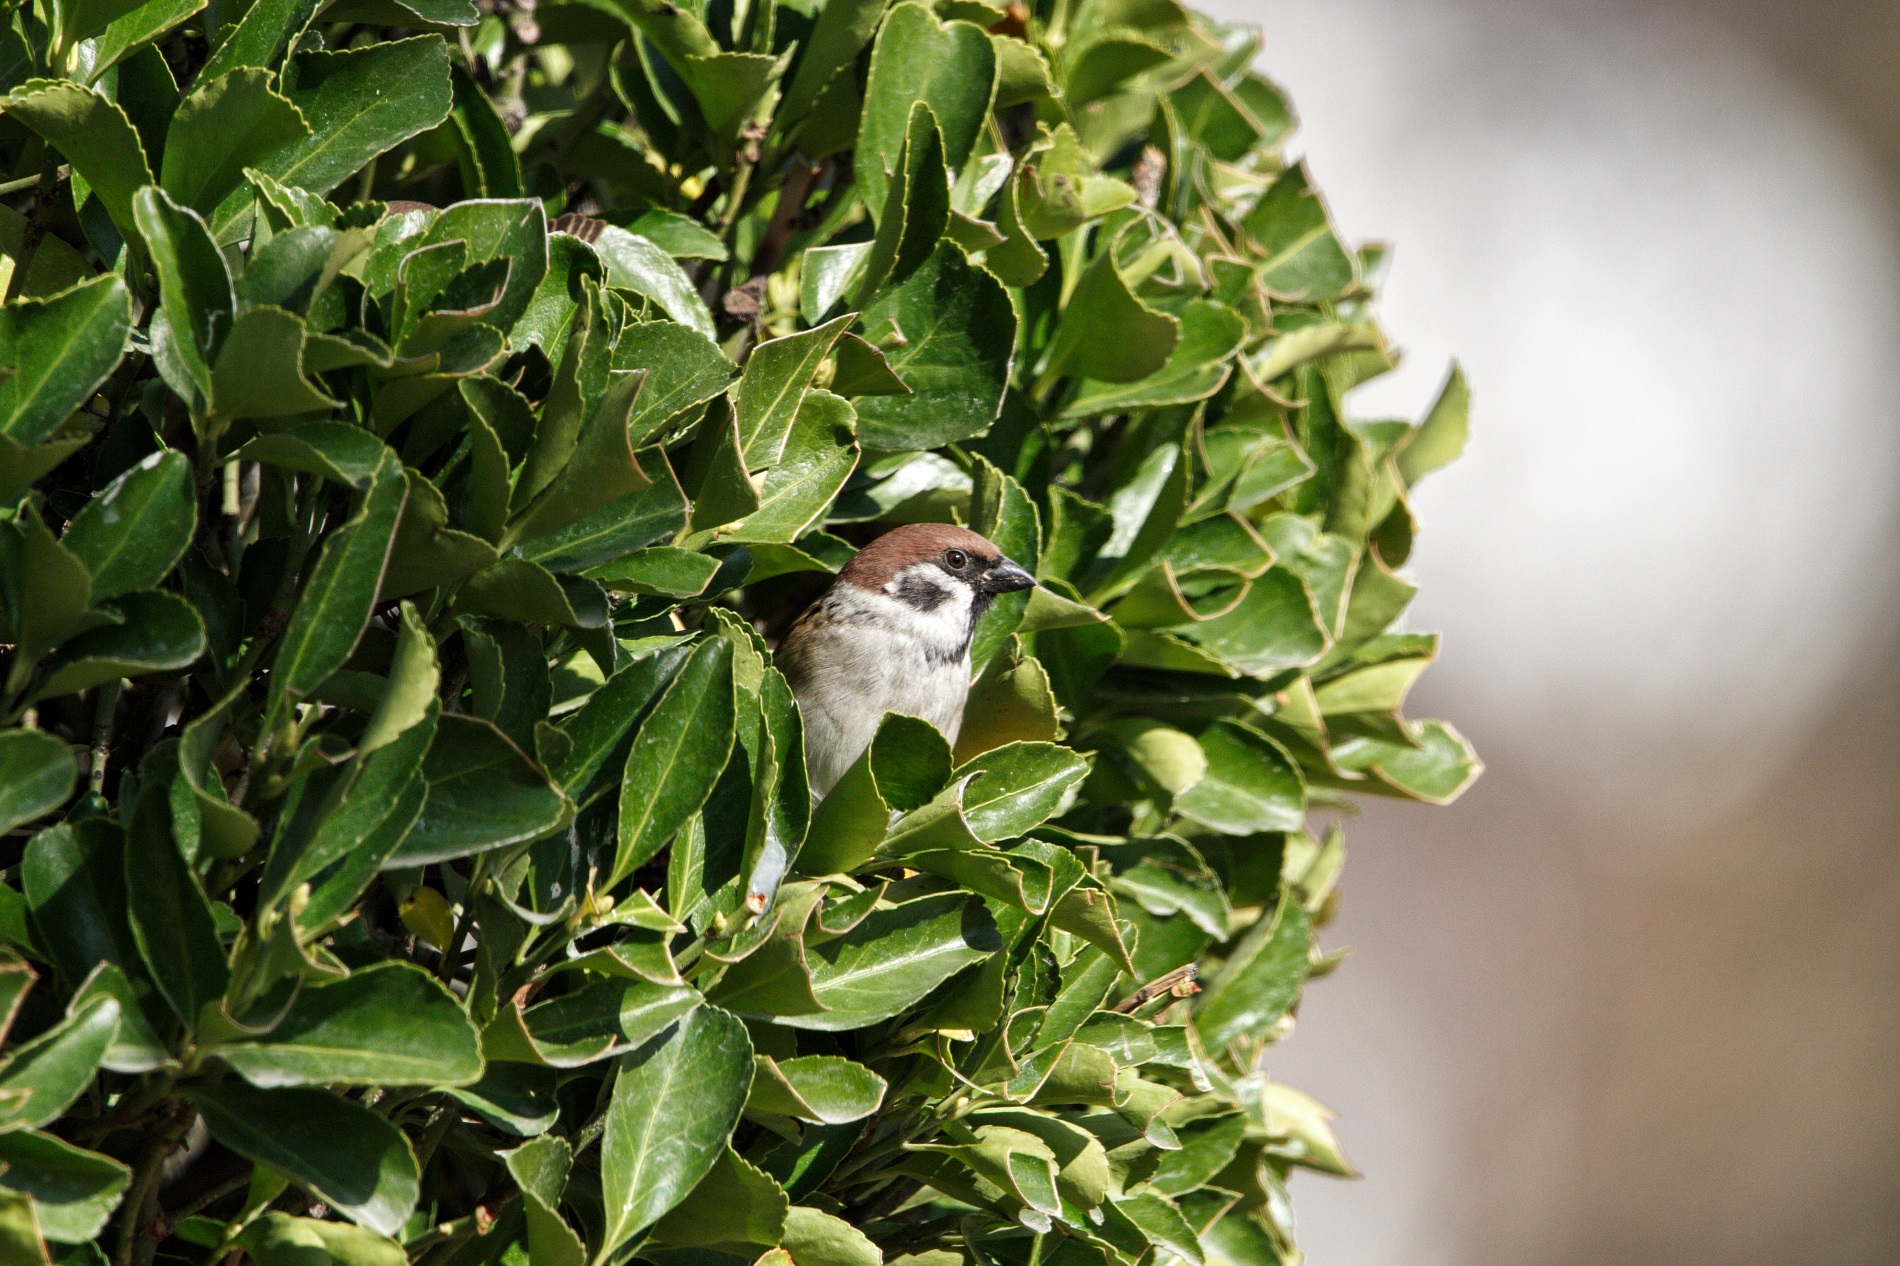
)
(102, 718)
(145, 1186)
(452, 953)
(27, 182)
(35, 233)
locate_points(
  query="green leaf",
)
(73, 876)
(1197, 368)
(222, 127)
(427, 552)
(888, 962)
(20, 1231)
(675, 1102)
(637, 519)
(915, 211)
(359, 103)
(601, 733)
(259, 372)
(131, 534)
(1214, 118)
(861, 370)
(136, 1048)
(820, 454)
(816, 1238)
(338, 451)
(1163, 1224)
(341, 591)
(55, 352)
(514, 589)
(22, 467)
(1103, 65)
(74, 1191)
(1250, 784)
(391, 1024)
(347, 1155)
(48, 593)
(602, 469)
(904, 766)
(1289, 225)
(948, 66)
(141, 26)
(662, 570)
(194, 285)
(1014, 788)
(735, 1204)
(484, 793)
(1260, 980)
(822, 1089)
(683, 371)
(56, 1066)
(842, 30)
(510, 229)
(1109, 334)
(493, 169)
(1440, 438)
(277, 1239)
(777, 376)
(261, 37)
(732, 89)
(635, 264)
(514, 1097)
(677, 756)
(94, 135)
(1273, 627)
(540, 1170)
(949, 332)
(37, 773)
(156, 632)
(171, 919)
(1435, 767)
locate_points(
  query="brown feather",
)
(874, 565)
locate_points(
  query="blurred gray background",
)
(1637, 996)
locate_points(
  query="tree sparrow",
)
(892, 634)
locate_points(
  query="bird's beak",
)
(1007, 577)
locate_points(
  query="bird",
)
(892, 634)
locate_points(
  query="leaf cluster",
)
(418, 421)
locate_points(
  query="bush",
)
(409, 849)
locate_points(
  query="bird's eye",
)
(955, 559)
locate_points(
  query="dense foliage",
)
(417, 422)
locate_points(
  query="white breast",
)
(873, 653)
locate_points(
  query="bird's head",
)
(931, 566)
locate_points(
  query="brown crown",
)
(875, 564)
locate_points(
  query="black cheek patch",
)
(920, 592)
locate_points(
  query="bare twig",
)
(1182, 982)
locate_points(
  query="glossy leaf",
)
(386, 1025)
(358, 103)
(222, 127)
(336, 600)
(957, 333)
(42, 1077)
(58, 351)
(95, 136)
(676, 756)
(74, 1191)
(893, 958)
(347, 1155)
(1260, 980)
(674, 1102)
(37, 773)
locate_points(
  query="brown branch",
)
(1181, 983)
(35, 223)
